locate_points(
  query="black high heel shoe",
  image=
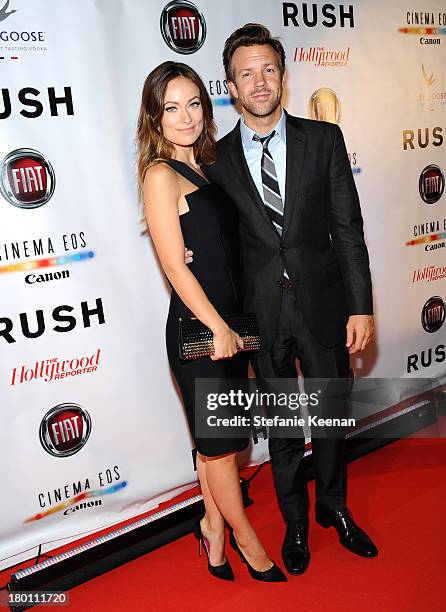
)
(224, 571)
(273, 574)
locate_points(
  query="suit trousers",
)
(295, 341)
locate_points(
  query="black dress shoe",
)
(224, 571)
(295, 551)
(273, 574)
(350, 535)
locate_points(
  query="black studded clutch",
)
(196, 340)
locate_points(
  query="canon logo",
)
(83, 505)
(31, 279)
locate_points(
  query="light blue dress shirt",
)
(253, 154)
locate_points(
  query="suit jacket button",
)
(283, 249)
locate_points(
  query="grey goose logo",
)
(4, 13)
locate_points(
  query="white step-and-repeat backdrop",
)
(92, 430)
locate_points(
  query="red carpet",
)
(398, 494)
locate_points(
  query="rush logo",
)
(34, 326)
(27, 97)
(426, 358)
(422, 137)
(311, 15)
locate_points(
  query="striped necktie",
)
(271, 191)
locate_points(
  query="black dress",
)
(210, 230)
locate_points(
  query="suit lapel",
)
(295, 155)
(240, 167)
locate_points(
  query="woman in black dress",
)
(176, 134)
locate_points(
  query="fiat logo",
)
(431, 184)
(433, 314)
(183, 26)
(27, 178)
(65, 429)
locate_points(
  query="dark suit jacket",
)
(322, 246)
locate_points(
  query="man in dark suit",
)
(306, 268)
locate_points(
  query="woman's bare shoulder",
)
(161, 177)
(160, 171)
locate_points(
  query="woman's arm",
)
(161, 195)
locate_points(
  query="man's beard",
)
(262, 110)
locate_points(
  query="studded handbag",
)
(196, 340)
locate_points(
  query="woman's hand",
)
(226, 344)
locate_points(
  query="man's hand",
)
(360, 329)
(188, 256)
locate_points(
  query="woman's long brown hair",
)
(151, 143)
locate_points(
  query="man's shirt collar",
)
(247, 133)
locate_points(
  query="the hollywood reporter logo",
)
(65, 429)
(27, 178)
(55, 369)
(183, 26)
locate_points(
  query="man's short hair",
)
(247, 36)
